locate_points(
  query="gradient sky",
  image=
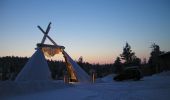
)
(94, 29)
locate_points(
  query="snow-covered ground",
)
(156, 87)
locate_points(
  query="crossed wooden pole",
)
(47, 36)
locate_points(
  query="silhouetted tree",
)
(118, 65)
(127, 54)
(129, 57)
(154, 58)
(136, 61)
(80, 60)
(144, 61)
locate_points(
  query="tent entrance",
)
(51, 50)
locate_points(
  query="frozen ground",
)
(156, 87)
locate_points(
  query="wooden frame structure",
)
(71, 72)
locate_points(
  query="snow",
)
(156, 87)
(11, 88)
(108, 78)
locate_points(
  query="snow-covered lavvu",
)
(156, 87)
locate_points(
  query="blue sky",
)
(94, 29)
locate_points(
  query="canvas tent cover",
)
(36, 69)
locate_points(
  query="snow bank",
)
(165, 73)
(106, 79)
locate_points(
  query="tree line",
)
(10, 66)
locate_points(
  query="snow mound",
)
(106, 79)
(165, 73)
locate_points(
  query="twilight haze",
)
(94, 29)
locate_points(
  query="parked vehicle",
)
(133, 73)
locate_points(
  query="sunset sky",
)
(94, 29)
